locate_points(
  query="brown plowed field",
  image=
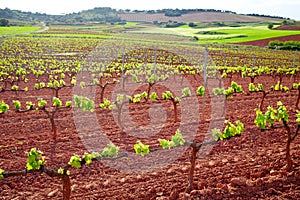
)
(251, 166)
(194, 17)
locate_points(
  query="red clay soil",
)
(251, 166)
(288, 27)
(265, 42)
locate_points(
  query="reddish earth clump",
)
(265, 42)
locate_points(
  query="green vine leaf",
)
(165, 144)
(42, 103)
(186, 92)
(60, 171)
(35, 159)
(230, 130)
(153, 96)
(271, 116)
(106, 103)
(84, 103)
(200, 91)
(17, 104)
(298, 116)
(1, 174)
(56, 102)
(75, 161)
(110, 151)
(178, 139)
(3, 107)
(141, 149)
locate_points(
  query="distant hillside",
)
(25, 16)
(106, 14)
(96, 15)
(99, 15)
(196, 17)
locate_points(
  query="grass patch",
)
(16, 30)
(131, 24)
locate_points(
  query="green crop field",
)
(254, 33)
(17, 30)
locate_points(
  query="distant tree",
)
(195, 38)
(284, 22)
(150, 11)
(4, 22)
(123, 22)
(174, 24)
(173, 13)
(192, 24)
(270, 26)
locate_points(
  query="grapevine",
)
(3, 107)
(177, 140)
(141, 149)
(279, 114)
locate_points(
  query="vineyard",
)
(117, 117)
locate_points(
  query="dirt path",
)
(43, 28)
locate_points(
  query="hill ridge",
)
(110, 15)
